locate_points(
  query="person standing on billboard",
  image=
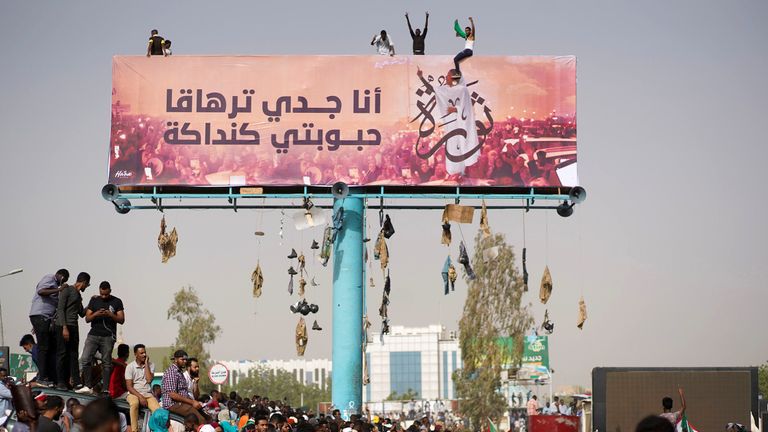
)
(417, 36)
(667, 403)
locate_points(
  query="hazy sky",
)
(669, 250)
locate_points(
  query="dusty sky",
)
(668, 250)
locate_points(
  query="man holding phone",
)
(104, 312)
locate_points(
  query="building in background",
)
(309, 372)
(416, 360)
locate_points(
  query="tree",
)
(493, 310)
(197, 326)
(280, 384)
(762, 377)
(408, 395)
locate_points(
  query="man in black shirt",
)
(69, 311)
(417, 36)
(155, 45)
(54, 406)
(104, 312)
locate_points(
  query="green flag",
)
(459, 30)
(492, 427)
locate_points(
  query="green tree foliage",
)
(494, 309)
(762, 377)
(197, 327)
(408, 395)
(281, 384)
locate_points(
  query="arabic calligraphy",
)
(428, 123)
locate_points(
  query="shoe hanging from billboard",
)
(361, 120)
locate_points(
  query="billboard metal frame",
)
(126, 198)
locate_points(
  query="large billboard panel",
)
(714, 396)
(363, 120)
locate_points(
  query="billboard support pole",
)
(348, 266)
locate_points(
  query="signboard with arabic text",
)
(363, 120)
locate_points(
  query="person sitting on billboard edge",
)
(469, 45)
(383, 44)
(155, 46)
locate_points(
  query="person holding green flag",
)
(468, 33)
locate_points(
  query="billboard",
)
(714, 396)
(363, 120)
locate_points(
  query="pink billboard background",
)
(363, 120)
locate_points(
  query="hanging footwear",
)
(290, 286)
(314, 308)
(387, 228)
(293, 254)
(316, 326)
(296, 306)
(446, 236)
(315, 245)
(304, 309)
(325, 252)
(546, 286)
(302, 285)
(525, 272)
(302, 263)
(547, 325)
(167, 242)
(452, 276)
(582, 313)
(484, 221)
(291, 271)
(444, 274)
(301, 337)
(464, 260)
(257, 278)
(380, 251)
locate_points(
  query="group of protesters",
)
(56, 310)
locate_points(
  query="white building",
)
(419, 359)
(317, 371)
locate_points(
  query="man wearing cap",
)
(175, 391)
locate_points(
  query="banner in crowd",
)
(362, 120)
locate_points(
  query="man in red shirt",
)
(117, 386)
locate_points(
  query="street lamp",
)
(2, 328)
(12, 272)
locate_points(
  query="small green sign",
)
(21, 364)
(536, 352)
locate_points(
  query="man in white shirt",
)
(383, 44)
(138, 380)
(192, 375)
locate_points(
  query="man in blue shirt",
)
(44, 304)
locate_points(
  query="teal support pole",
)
(348, 265)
